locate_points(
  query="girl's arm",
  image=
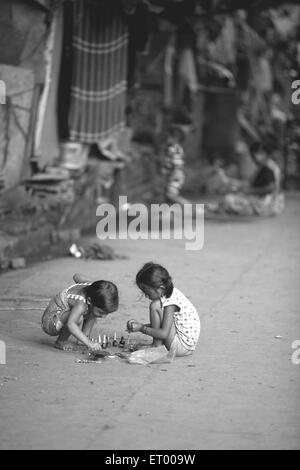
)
(159, 333)
(164, 331)
(78, 277)
(88, 324)
(75, 322)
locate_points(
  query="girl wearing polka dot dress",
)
(174, 320)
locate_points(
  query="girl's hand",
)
(95, 346)
(129, 325)
(133, 326)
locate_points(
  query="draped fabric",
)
(100, 40)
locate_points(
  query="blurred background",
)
(88, 89)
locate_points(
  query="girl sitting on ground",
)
(74, 310)
(174, 321)
(262, 196)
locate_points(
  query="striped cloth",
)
(100, 40)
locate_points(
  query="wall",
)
(22, 36)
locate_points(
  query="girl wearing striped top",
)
(74, 310)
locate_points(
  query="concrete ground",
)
(240, 390)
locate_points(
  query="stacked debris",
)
(96, 251)
(55, 185)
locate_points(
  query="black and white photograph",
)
(149, 227)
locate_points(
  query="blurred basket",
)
(73, 155)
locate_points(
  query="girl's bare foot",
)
(66, 346)
(156, 343)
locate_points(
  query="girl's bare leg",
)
(169, 339)
(156, 318)
(62, 340)
(156, 322)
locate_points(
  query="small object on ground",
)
(86, 361)
(158, 355)
(94, 251)
(110, 352)
(123, 355)
(101, 353)
(75, 251)
(278, 337)
(115, 342)
(17, 263)
(99, 251)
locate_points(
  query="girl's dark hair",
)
(104, 295)
(176, 132)
(154, 275)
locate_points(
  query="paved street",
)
(240, 390)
